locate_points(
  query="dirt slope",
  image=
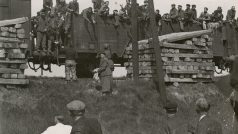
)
(134, 109)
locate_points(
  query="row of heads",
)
(77, 107)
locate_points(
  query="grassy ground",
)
(134, 109)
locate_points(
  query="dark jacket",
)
(194, 14)
(207, 125)
(74, 6)
(42, 25)
(180, 14)
(173, 13)
(234, 74)
(188, 15)
(104, 68)
(87, 14)
(230, 15)
(86, 126)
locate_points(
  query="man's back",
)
(58, 129)
(86, 126)
(207, 125)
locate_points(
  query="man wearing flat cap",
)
(206, 124)
(181, 17)
(173, 13)
(194, 12)
(82, 124)
(105, 74)
(188, 15)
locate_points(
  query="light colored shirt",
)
(58, 129)
(201, 117)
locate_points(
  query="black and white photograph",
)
(118, 67)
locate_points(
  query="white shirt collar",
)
(202, 116)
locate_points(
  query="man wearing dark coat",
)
(194, 12)
(173, 13)
(206, 124)
(105, 74)
(82, 124)
(234, 85)
(181, 17)
(231, 14)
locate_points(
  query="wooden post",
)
(159, 81)
(135, 55)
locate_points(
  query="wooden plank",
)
(189, 55)
(13, 61)
(18, 26)
(183, 35)
(13, 21)
(12, 30)
(13, 76)
(23, 45)
(20, 31)
(4, 29)
(169, 63)
(181, 46)
(16, 56)
(4, 34)
(14, 40)
(14, 81)
(21, 76)
(10, 71)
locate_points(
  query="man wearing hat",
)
(194, 12)
(105, 74)
(217, 15)
(82, 124)
(59, 128)
(206, 124)
(188, 15)
(231, 15)
(205, 18)
(173, 13)
(181, 17)
(41, 31)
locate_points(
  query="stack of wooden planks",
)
(187, 57)
(12, 52)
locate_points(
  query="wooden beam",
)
(13, 61)
(14, 81)
(135, 55)
(13, 21)
(160, 84)
(10, 71)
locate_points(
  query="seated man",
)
(88, 15)
(205, 17)
(104, 10)
(97, 4)
(231, 15)
(73, 6)
(217, 15)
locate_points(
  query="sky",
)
(162, 5)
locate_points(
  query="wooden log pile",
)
(187, 57)
(12, 52)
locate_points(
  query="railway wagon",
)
(89, 38)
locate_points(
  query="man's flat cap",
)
(202, 104)
(173, 5)
(76, 105)
(179, 5)
(188, 5)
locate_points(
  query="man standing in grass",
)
(105, 74)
